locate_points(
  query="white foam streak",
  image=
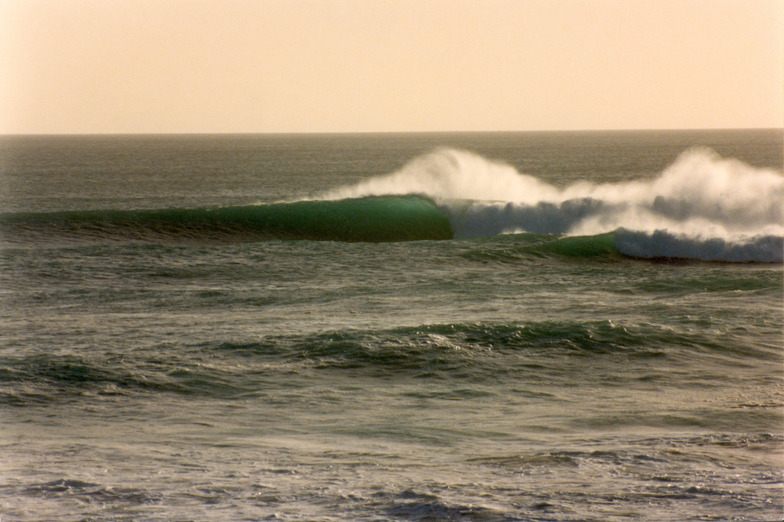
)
(702, 203)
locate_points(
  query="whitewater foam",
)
(663, 244)
(702, 206)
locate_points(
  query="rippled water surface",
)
(557, 358)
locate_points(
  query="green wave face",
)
(599, 246)
(371, 219)
(374, 219)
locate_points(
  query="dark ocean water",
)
(513, 326)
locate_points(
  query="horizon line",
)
(358, 133)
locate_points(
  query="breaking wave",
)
(701, 207)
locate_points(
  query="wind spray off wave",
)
(701, 207)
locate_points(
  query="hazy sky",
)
(93, 66)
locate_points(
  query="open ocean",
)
(577, 326)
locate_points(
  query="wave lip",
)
(664, 244)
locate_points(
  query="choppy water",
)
(541, 326)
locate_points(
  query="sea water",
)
(498, 326)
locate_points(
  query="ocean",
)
(542, 326)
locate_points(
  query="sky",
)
(256, 66)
